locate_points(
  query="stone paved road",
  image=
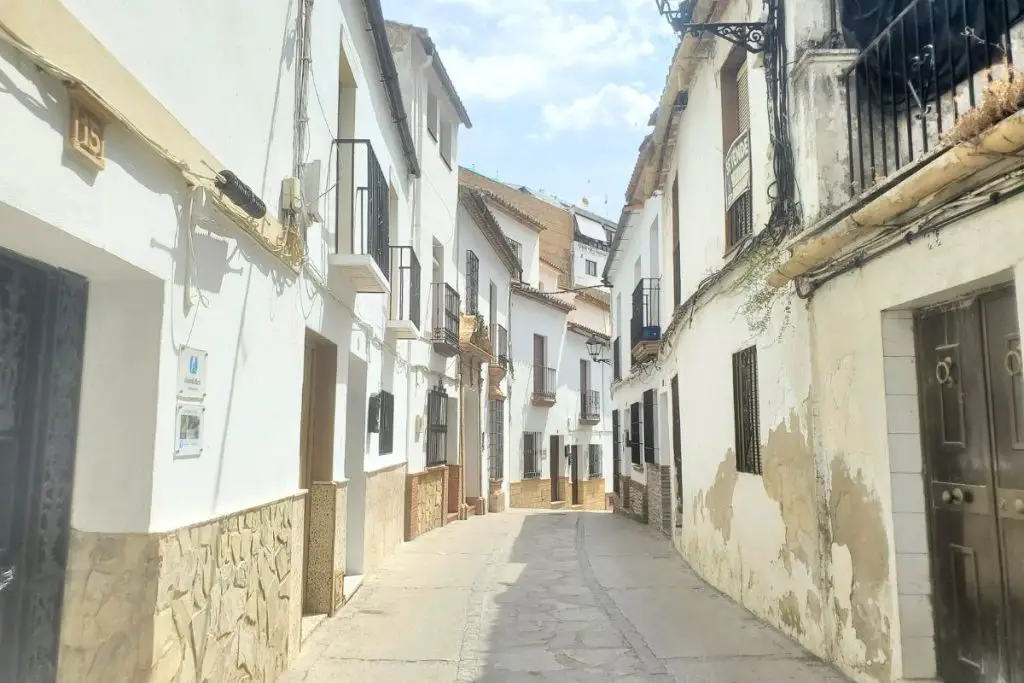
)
(536, 597)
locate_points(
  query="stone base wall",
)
(659, 497)
(632, 499)
(426, 501)
(536, 493)
(217, 601)
(495, 496)
(325, 558)
(454, 486)
(592, 494)
(385, 514)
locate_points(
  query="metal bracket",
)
(748, 35)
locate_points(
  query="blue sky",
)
(559, 91)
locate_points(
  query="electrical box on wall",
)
(291, 196)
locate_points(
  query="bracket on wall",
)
(750, 35)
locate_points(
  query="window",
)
(591, 267)
(492, 303)
(677, 285)
(650, 445)
(594, 461)
(746, 412)
(386, 443)
(531, 454)
(437, 426)
(496, 439)
(616, 365)
(446, 142)
(739, 219)
(616, 452)
(517, 248)
(472, 283)
(432, 114)
(634, 435)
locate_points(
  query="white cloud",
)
(612, 106)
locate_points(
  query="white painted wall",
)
(528, 237)
(581, 253)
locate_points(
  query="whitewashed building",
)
(558, 409)
(827, 366)
(205, 271)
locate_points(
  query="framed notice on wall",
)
(188, 430)
(737, 169)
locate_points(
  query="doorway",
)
(553, 468)
(316, 448)
(42, 329)
(972, 420)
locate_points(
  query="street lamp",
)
(594, 347)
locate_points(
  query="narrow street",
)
(540, 596)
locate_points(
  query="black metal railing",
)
(645, 325)
(914, 80)
(501, 345)
(590, 404)
(746, 411)
(616, 360)
(544, 382)
(405, 285)
(445, 320)
(363, 203)
(437, 426)
(472, 283)
(531, 455)
(496, 439)
(594, 461)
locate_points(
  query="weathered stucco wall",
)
(218, 601)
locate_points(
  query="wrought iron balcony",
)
(916, 78)
(361, 236)
(544, 386)
(445, 319)
(501, 346)
(645, 326)
(500, 361)
(590, 407)
(404, 317)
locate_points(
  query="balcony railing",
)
(915, 79)
(501, 345)
(445, 322)
(645, 325)
(544, 383)
(363, 203)
(590, 405)
(437, 426)
(405, 280)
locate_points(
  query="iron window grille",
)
(531, 454)
(746, 411)
(645, 324)
(740, 220)
(594, 461)
(472, 283)
(650, 452)
(634, 434)
(437, 426)
(496, 439)
(616, 360)
(364, 201)
(405, 279)
(446, 314)
(590, 408)
(386, 441)
(616, 452)
(502, 346)
(517, 247)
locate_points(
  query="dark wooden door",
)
(42, 329)
(970, 415)
(1002, 337)
(574, 473)
(554, 456)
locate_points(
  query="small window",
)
(650, 443)
(517, 248)
(594, 457)
(432, 114)
(591, 267)
(531, 454)
(387, 423)
(746, 411)
(446, 142)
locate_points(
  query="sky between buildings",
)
(559, 91)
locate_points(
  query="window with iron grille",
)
(517, 247)
(437, 426)
(636, 454)
(739, 220)
(386, 443)
(746, 411)
(650, 452)
(496, 438)
(594, 468)
(591, 267)
(472, 283)
(531, 454)
(616, 452)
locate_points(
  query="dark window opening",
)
(496, 439)
(437, 426)
(746, 411)
(531, 454)
(650, 445)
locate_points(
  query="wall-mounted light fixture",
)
(595, 347)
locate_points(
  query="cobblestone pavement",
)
(541, 596)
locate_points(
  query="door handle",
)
(955, 496)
